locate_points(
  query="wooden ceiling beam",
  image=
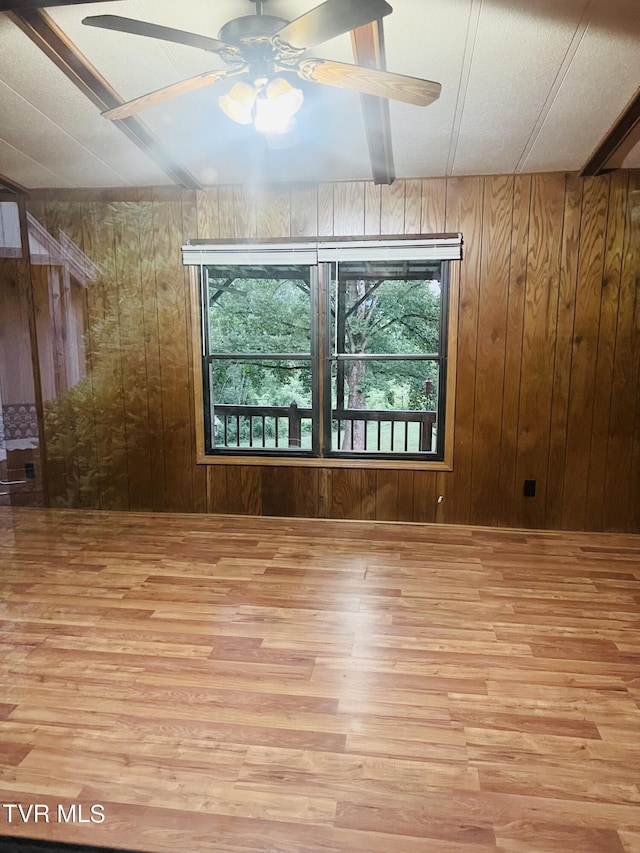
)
(368, 50)
(627, 122)
(23, 5)
(52, 41)
(9, 186)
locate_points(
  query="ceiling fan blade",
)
(330, 19)
(370, 81)
(164, 94)
(155, 31)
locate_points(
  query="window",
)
(332, 352)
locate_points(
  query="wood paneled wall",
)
(548, 351)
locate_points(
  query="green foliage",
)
(97, 428)
(273, 316)
(260, 316)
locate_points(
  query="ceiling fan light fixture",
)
(275, 107)
(238, 104)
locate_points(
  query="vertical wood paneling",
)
(87, 493)
(406, 490)
(372, 194)
(245, 223)
(244, 490)
(609, 305)
(490, 350)
(273, 214)
(348, 208)
(108, 382)
(412, 207)
(434, 205)
(541, 254)
(347, 492)
(174, 351)
(424, 496)
(585, 351)
(538, 345)
(464, 213)
(93, 466)
(289, 492)
(226, 220)
(305, 491)
(134, 376)
(369, 487)
(277, 495)
(325, 493)
(151, 331)
(622, 486)
(217, 489)
(325, 209)
(564, 339)
(513, 347)
(208, 214)
(198, 473)
(303, 206)
(392, 201)
(387, 495)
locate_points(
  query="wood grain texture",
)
(304, 211)
(325, 210)
(412, 207)
(538, 345)
(619, 489)
(208, 214)
(372, 194)
(559, 251)
(348, 208)
(564, 344)
(273, 214)
(606, 342)
(151, 329)
(585, 350)
(464, 213)
(434, 205)
(513, 348)
(198, 472)
(490, 349)
(392, 201)
(264, 684)
(174, 352)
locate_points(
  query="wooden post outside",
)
(294, 425)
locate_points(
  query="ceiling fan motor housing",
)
(251, 28)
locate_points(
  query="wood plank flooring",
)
(260, 685)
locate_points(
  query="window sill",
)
(315, 462)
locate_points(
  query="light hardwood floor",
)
(260, 685)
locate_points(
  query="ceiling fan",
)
(260, 48)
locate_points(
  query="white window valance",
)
(443, 247)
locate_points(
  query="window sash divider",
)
(256, 356)
(365, 356)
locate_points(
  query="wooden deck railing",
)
(262, 427)
(346, 420)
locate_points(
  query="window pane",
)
(398, 401)
(259, 309)
(10, 238)
(387, 307)
(260, 404)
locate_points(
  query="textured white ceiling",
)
(527, 85)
